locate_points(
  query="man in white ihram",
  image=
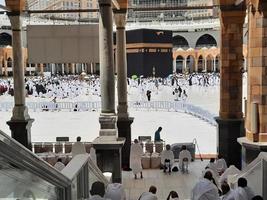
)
(135, 158)
(205, 189)
(78, 147)
(184, 159)
(167, 158)
(115, 191)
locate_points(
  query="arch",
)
(200, 63)
(179, 64)
(190, 63)
(209, 60)
(206, 40)
(5, 39)
(180, 42)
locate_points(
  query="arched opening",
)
(209, 61)
(206, 41)
(190, 63)
(217, 64)
(5, 39)
(200, 64)
(180, 42)
(179, 64)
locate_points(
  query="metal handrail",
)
(137, 105)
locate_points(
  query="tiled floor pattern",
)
(181, 183)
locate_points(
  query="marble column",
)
(41, 69)
(72, 68)
(1, 67)
(184, 65)
(205, 64)
(214, 64)
(20, 123)
(174, 65)
(108, 145)
(230, 120)
(5, 68)
(196, 65)
(124, 121)
(62, 68)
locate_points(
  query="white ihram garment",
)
(148, 196)
(135, 158)
(205, 190)
(59, 166)
(184, 154)
(77, 148)
(115, 191)
(167, 154)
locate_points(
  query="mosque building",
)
(199, 41)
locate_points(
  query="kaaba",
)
(149, 53)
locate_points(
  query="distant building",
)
(64, 5)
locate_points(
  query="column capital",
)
(258, 6)
(16, 22)
(120, 19)
(232, 17)
(104, 3)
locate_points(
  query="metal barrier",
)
(176, 106)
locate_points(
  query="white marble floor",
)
(181, 183)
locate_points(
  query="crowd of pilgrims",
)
(73, 86)
(213, 185)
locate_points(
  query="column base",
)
(21, 131)
(228, 132)
(108, 127)
(124, 130)
(250, 150)
(109, 157)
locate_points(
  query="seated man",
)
(115, 191)
(150, 195)
(97, 191)
(184, 159)
(167, 158)
(221, 165)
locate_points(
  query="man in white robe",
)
(243, 192)
(98, 191)
(135, 158)
(150, 195)
(221, 165)
(205, 189)
(115, 191)
(167, 158)
(78, 147)
(231, 171)
(184, 159)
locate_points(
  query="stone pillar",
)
(230, 121)
(62, 68)
(72, 68)
(1, 67)
(184, 65)
(205, 64)
(41, 69)
(124, 121)
(5, 68)
(108, 146)
(20, 123)
(257, 69)
(174, 65)
(214, 64)
(256, 118)
(196, 65)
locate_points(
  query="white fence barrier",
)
(136, 105)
